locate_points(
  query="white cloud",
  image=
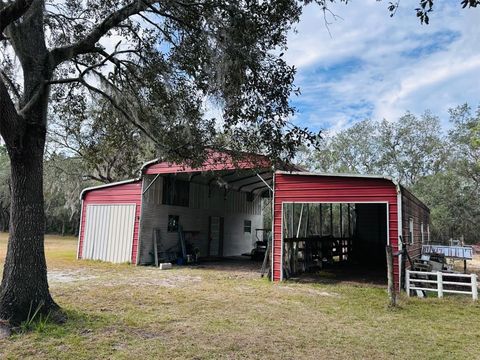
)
(378, 66)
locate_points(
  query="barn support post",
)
(342, 241)
(321, 218)
(341, 221)
(349, 221)
(331, 219)
(307, 223)
(392, 296)
(292, 220)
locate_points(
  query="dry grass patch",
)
(124, 312)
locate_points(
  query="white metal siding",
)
(214, 236)
(236, 242)
(109, 232)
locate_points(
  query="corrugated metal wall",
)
(204, 201)
(419, 213)
(310, 188)
(130, 193)
(109, 232)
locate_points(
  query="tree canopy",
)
(442, 168)
(160, 65)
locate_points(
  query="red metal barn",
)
(219, 205)
(380, 206)
(109, 222)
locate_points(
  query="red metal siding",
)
(415, 209)
(311, 188)
(117, 194)
(216, 161)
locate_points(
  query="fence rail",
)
(422, 279)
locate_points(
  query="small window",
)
(422, 233)
(173, 221)
(247, 226)
(410, 231)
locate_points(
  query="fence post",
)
(392, 294)
(474, 287)
(440, 284)
(408, 282)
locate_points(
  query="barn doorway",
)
(190, 218)
(334, 242)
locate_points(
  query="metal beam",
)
(300, 221)
(149, 185)
(259, 187)
(190, 178)
(247, 177)
(220, 177)
(253, 183)
(266, 182)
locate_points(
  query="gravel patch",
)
(56, 276)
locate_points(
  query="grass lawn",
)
(125, 312)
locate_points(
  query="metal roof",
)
(107, 186)
(308, 173)
(400, 187)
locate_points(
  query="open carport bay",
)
(335, 241)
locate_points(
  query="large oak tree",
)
(158, 63)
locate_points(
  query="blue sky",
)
(369, 65)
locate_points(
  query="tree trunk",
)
(24, 286)
(2, 219)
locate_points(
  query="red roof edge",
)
(217, 161)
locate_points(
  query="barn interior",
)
(198, 217)
(330, 242)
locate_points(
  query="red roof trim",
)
(217, 161)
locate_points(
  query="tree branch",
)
(6, 79)
(87, 44)
(87, 69)
(115, 104)
(11, 13)
(9, 120)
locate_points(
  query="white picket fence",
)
(471, 287)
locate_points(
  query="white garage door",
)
(109, 232)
